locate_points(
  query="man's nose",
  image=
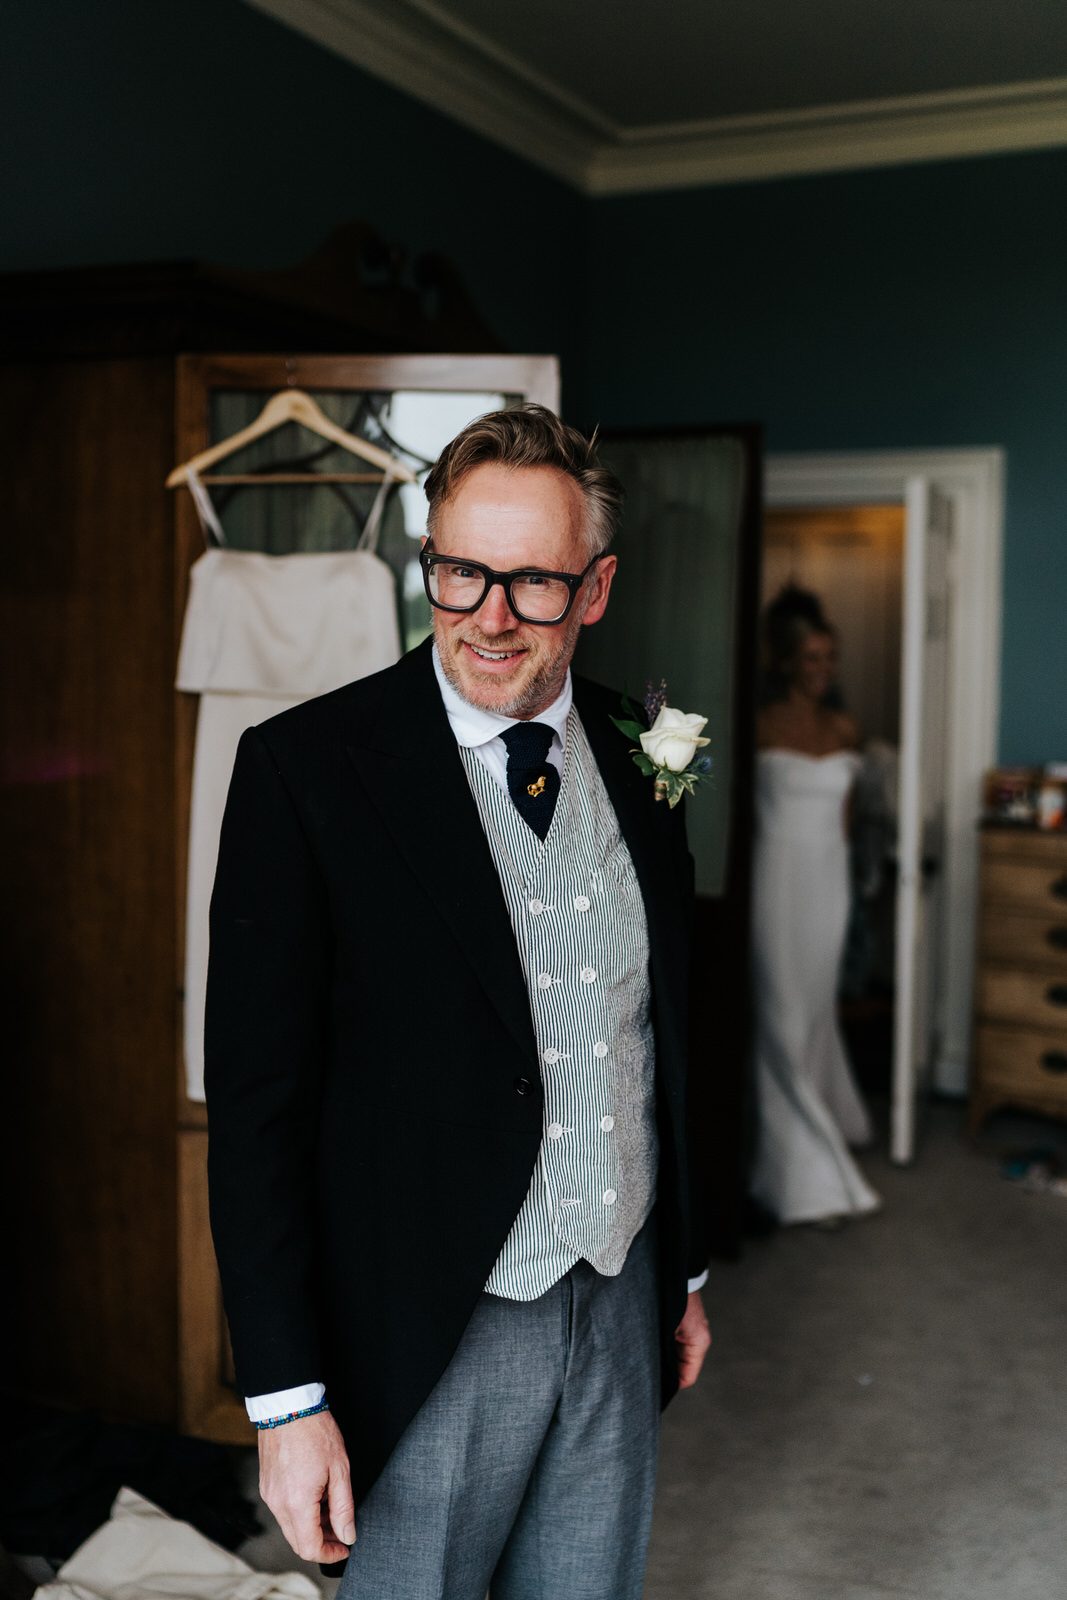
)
(494, 615)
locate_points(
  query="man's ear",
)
(605, 572)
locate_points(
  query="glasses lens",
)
(453, 583)
(538, 597)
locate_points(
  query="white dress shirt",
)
(480, 730)
(477, 730)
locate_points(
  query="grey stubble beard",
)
(544, 687)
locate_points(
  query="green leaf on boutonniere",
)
(643, 764)
(679, 784)
(632, 730)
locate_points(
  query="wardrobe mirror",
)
(279, 518)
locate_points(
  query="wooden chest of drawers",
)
(1021, 992)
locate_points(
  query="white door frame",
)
(974, 480)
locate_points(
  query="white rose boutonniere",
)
(668, 749)
(673, 739)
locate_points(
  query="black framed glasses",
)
(453, 584)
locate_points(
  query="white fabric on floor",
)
(142, 1554)
(261, 634)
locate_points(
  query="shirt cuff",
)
(264, 1407)
(698, 1283)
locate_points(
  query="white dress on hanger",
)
(263, 633)
(809, 1106)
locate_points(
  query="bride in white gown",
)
(810, 1109)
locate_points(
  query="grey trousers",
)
(529, 1471)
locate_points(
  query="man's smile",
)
(494, 658)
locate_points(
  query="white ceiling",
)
(618, 96)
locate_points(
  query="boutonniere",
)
(668, 749)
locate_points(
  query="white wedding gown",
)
(809, 1107)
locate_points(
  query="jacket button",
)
(523, 1086)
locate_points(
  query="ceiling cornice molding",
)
(446, 69)
(418, 47)
(518, 69)
(867, 133)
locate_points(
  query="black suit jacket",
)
(368, 1028)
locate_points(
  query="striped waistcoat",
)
(579, 923)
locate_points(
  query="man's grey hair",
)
(532, 436)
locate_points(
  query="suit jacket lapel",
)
(412, 772)
(642, 820)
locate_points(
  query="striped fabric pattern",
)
(579, 923)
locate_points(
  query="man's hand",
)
(304, 1479)
(693, 1338)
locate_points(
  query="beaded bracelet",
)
(294, 1416)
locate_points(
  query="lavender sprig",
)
(655, 699)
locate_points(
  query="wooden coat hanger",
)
(293, 405)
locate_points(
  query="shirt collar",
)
(473, 726)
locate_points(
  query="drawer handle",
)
(1059, 888)
(1056, 994)
(1054, 1061)
(1058, 937)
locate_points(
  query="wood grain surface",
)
(88, 885)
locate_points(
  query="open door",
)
(684, 608)
(923, 783)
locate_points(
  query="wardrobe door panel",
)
(87, 885)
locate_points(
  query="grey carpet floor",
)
(884, 1413)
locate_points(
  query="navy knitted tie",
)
(533, 782)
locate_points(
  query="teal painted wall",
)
(911, 307)
(139, 130)
(905, 308)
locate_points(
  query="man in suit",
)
(445, 1049)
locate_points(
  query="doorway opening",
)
(953, 504)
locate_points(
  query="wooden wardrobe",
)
(106, 377)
